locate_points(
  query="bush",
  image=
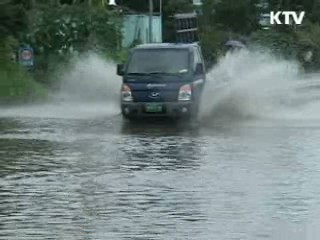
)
(308, 40)
(58, 34)
(280, 43)
(293, 44)
(17, 85)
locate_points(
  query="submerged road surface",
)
(100, 178)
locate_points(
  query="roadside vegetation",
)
(61, 30)
(16, 84)
(58, 33)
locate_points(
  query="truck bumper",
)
(168, 109)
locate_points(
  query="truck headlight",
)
(126, 93)
(185, 93)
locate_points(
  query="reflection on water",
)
(106, 179)
(160, 146)
(167, 153)
(20, 155)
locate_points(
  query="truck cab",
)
(163, 79)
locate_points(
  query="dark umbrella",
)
(235, 43)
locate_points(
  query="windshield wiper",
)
(165, 73)
(138, 73)
(153, 73)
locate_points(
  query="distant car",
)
(163, 79)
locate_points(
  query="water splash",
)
(90, 79)
(255, 85)
(89, 88)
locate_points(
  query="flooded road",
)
(249, 169)
(102, 178)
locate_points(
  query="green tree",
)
(232, 15)
(13, 18)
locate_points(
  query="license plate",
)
(153, 108)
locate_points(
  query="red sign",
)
(26, 54)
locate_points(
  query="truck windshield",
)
(172, 61)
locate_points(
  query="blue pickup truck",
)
(162, 79)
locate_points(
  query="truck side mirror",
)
(120, 69)
(199, 69)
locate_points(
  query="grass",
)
(18, 86)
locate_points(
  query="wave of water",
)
(91, 78)
(243, 86)
(88, 88)
(255, 85)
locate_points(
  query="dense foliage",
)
(57, 32)
(12, 18)
(60, 33)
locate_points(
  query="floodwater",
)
(76, 170)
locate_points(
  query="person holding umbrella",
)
(234, 45)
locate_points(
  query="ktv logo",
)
(289, 17)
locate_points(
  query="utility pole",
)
(150, 19)
(160, 7)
